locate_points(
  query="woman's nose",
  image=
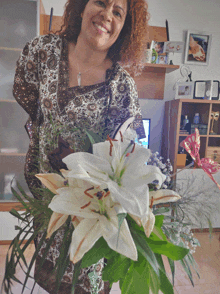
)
(107, 14)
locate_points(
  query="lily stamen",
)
(87, 194)
(121, 136)
(86, 205)
(133, 148)
(107, 194)
(151, 203)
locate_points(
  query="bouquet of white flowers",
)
(106, 200)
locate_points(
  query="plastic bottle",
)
(196, 118)
(185, 121)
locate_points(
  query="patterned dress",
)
(58, 111)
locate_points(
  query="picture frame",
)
(198, 47)
(184, 90)
(174, 47)
(206, 89)
(162, 59)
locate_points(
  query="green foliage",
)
(97, 252)
(116, 268)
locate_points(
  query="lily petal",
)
(52, 181)
(148, 222)
(123, 242)
(56, 221)
(92, 164)
(84, 237)
(68, 202)
(163, 196)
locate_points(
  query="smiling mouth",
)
(101, 28)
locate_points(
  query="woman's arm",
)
(26, 81)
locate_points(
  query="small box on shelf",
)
(181, 160)
(201, 127)
(213, 152)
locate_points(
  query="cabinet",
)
(19, 24)
(172, 122)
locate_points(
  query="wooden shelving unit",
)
(171, 132)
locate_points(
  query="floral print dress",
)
(61, 115)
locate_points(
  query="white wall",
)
(182, 16)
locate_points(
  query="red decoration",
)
(192, 146)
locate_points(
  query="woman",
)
(72, 82)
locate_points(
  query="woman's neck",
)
(86, 56)
(86, 66)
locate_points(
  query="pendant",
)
(79, 79)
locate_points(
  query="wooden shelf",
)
(7, 206)
(199, 101)
(186, 135)
(167, 67)
(8, 100)
(10, 49)
(12, 154)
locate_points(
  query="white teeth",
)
(101, 28)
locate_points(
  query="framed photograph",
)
(162, 59)
(184, 90)
(175, 47)
(198, 46)
(206, 89)
(158, 47)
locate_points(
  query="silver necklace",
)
(79, 75)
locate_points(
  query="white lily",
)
(93, 215)
(53, 182)
(120, 167)
(156, 197)
(97, 218)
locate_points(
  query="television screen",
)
(146, 141)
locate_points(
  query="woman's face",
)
(102, 22)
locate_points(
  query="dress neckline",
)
(108, 73)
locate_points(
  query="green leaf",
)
(19, 198)
(97, 252)
(31, 200)
(144, 249)
(93, 137)
(159, 220)
(33, 259)
(16, 214)
(76, 272)
(137, 279)
(158, 235)
(168, 249)
(154, 281)
(187, 269)
(165, 285)
(121, 217)
(172, 267)
(116, 268)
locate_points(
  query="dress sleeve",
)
(135, 110)
(26, 81)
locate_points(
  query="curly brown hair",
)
(132, 41)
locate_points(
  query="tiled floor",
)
(207, 257)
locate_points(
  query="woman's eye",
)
(100, 3)
(118, 14)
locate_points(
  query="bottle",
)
(196, 118)
(185, 121)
